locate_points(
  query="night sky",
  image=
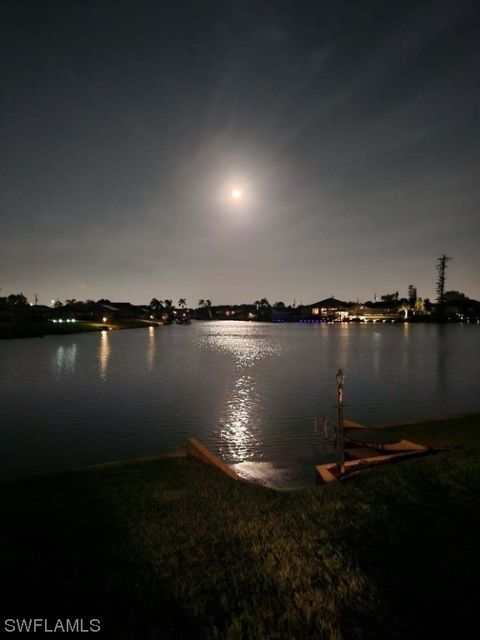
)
(351, 129)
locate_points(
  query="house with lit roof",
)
(328, 309)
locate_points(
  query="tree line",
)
(263, 306)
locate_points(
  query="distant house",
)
(124, 310)
(229, 312)
(363, 313)
(330, 308)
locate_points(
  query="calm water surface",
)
(249, 391)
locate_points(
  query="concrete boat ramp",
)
(364, 449)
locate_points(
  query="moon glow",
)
(236, 193)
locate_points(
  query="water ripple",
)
(237, 438)
(246, 346)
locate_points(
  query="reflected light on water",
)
(376, 351)
(103, 354)
(238, 441)
(246, 346)
(247, 391)
(344, 344)
(151, 348)
(265, 473)
(65, 358)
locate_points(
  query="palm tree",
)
(263, 308)
(208, 304)
(169, 309)
(182, 303)
(205, 304)
(155, 304)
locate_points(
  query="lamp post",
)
(340, 378)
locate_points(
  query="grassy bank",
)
(37, 329)
(172, 549)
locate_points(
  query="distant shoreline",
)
(12, 330)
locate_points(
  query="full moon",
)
(236, 193)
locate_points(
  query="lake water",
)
(250, 391)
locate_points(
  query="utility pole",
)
(442, 278)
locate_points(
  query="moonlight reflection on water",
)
(238, 441)
(104, 354)
(249, 391)
(238, 435)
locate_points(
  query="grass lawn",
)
(173, 549)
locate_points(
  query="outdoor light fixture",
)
(340, 378)
(104, 319)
